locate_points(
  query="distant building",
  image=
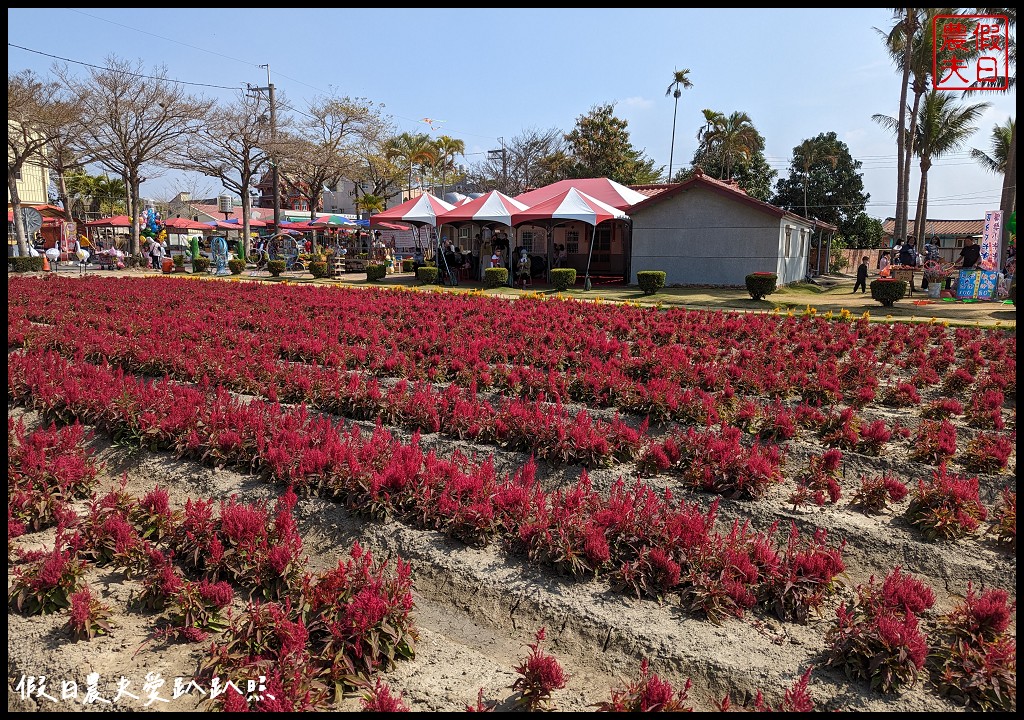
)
(710, 232)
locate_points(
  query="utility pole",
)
(493, 155)
(274, 173)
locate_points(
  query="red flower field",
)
(234, 496)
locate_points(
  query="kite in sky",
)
(431, 121)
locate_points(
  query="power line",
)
(101, 67)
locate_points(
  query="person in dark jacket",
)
(862, 276)
(908, 253)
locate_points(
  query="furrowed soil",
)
(477, 608)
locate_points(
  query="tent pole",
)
(550, 242)
(590, 254)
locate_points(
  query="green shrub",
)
(318, 269)
(375, 271)
(650, 281)
(408, 265)
(179, 262)
(236, 266)
(563, 278)
(276, 267)
(427, 275)
(200, 264)
(495, 277)
(888, 290)
(760, 284)
(139, 260)
(25, 264)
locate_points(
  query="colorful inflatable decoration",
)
(219, 248)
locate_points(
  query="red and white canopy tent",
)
(490, 208)
(569, 205)
(603, 189)
(423, 210)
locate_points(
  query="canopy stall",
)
(420, 211)
(569, 205)
(490, 209)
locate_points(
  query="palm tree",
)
(413, 150)
(1001, 135)
(1008, 196)
(911, 43)
(736, 139)
(447, 149)
(679, 78)
(808, 154)
(944, 127)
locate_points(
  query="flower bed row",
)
(645, 543)
(640, 360)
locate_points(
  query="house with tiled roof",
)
(710, 232)
(947, 235)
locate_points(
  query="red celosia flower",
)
(381, 699)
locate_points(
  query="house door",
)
(600, 261)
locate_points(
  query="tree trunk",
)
(19, 221)
(911, 133)
(1008, 199)
(902, 149)
(922, 205)
(133, 208)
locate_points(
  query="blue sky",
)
(484, 74)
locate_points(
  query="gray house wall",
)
(703, 237)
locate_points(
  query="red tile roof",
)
(940, 227)
(729, 188)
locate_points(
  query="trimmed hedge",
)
(318, 269)
(200, 264)
(650, 281)
(760, 284)
(495, 277)
(408, 265)
(427, 275)
(25, 264)
(376, 271)
(179, 262)
(888, 290)
(563, 278)
(276, 267)
(236, 266)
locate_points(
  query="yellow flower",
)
(828, 315)
(866, 315)
(844, 314)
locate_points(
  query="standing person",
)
(155, 253)
(930, 255)
(908, 258)
(523, 269)
(883, 264)
(908, 253)
(563, 256)
(474, 268)
(970, 253)
(862, 276)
